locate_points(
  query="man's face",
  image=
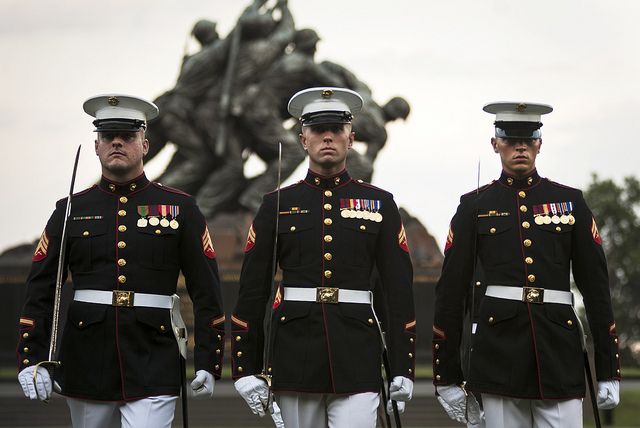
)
(327, 146)
(121, 153)
(518, 155)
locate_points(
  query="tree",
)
(617, 213)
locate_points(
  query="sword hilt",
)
(44, 364)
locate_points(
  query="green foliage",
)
(616, 209)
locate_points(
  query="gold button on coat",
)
(527, 242)
(133, 186)
(85, 233)
(25, 335)
(490, 320)
(122, 262)
(25, 361)
(218, 352)
(158, 231)
(216, 367)
(283, 318)
(531, 278)
(522, 194)
(122, 228)
(122, 279)
(238, 338)
(123, 199)
(528, 260)
(410, 355)
(328, 256)
(122, 244)
(122, 213)
(411, 340)
(523, 208)
(80, 323)
(328, 238)
(363, 227)
(327, 207)
(526, 224)
(112, 187)
(437, 346)
(558, 229)
(162, 328)
(569, 322)
(327, 274)
(292, 228)
(328, 221)
(437, 361)
(240, 369)
(437, 377)
(239, 354)
(328, 193)
(510, 181)
(25, 349)
(370, 321)
(492, 230)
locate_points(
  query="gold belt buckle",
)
(327, 295)
(533, 295)
(122, 298)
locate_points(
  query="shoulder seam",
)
(480, 189)
(371, 186)
(285, 188)
(170, 189)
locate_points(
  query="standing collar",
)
(519, 183)
(327, 182)
(123, 188)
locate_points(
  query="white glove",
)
(390, 407)
(608, 394)
(276, 415)
(255, 392)
(459, 405)
(400, 390)
(38, 390)
(203, 384)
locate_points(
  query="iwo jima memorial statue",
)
(230, 102)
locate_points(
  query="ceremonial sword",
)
(267, 327)
(387, 371)
(58, 293)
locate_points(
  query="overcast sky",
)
(448, 58)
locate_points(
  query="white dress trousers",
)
(505, 412)
(302, 410)
(150, 412)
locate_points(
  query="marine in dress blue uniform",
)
(528, 234)
(128, 240)
(333, 232)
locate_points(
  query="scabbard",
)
(592, 390)
(183, 387)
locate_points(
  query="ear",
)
(95, 146)
(352, 137)
(303, 141)
(540, 145)
(494, 144)
(145, 147)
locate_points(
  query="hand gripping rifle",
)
(267, 327)
(51, 362)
